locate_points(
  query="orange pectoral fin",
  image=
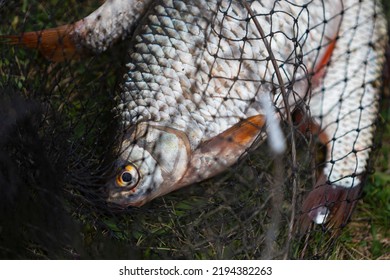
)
(56, 44)
(319, 69)
(243, 133)
(223, 150)
(237, 138)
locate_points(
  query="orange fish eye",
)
(128, 177)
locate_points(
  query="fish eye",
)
(128, 177)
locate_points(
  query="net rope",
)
(60, 132)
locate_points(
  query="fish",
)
(208, 80)
(195, 94)
(113, 21)
(345, 107)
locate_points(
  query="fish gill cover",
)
(263, 113)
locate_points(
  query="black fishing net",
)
(59, 138)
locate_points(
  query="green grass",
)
(367, 235)
(226, 217)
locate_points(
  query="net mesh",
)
(60, 134)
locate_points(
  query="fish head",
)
(152, 160)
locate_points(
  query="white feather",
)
(275, 135)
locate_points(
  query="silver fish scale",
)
(346, 102)
(201, 66)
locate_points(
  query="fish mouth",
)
(123, 199)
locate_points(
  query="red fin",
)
(244, 132)
(215, 155)
(239, 136)
(330, 205)
(306, 124)
(319, 69)
(233, 142)
(327, 204)
(56, 44)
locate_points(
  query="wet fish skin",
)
(186, 84)
(113, 21)
(186, 77)
(345, 106)
(192, 101)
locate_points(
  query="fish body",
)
(207, 79)
(345, 105)
(200, 72)
(198, 69)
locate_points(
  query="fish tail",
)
(56, 44)
(329, 205)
